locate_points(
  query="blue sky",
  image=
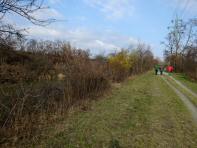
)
(107, 25)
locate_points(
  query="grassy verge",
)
(144, 112)
(186, 81)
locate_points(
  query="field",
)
(143, 112)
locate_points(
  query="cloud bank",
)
(97, 42)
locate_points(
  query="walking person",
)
(156, 70)
(161, 70)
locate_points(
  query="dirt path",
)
(191, 107)
(183, 86)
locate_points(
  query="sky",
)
(103, 26)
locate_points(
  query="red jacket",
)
(169, 68)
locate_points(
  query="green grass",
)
(186, 81)
(144, 112)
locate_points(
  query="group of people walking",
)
(159, 69)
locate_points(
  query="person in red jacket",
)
(169, 68)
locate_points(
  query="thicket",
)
(40, 80)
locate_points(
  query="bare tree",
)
(180, 36)
(23, 8)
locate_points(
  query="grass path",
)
(143, 112)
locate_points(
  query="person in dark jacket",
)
(156, 70)
(161, 70)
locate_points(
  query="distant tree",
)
(181, 35)
(181, 46)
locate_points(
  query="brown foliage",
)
(28, 99)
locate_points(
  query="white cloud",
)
(38, 31)
(113, 9)
(105, 42)
(48, 13)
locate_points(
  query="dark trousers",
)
(156, 72)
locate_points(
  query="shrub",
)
(28, 104)
(119, 66)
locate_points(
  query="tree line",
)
(181, 46)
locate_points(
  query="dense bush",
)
(190, 62)
(119, 66)
(31, 91)
(12, 73)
